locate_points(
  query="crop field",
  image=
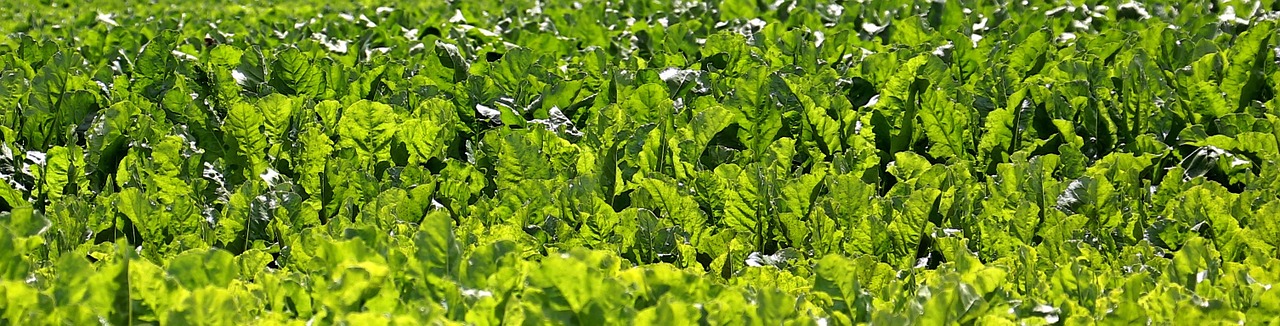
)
(640, 162)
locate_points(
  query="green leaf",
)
(451, 59)
(198, 268)
(243, 130)
(693, 138)
(1028, 56)
(224, 56)
(1245, 73)
(368, 127)
(947, 125)
(796, 208)
(276, 111)
(649, 103)
(437, 249)
(294, 73)
(738, 9)
(741, 198)
(669, 201)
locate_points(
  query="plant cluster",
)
(722, 162)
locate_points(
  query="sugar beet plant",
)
(720, 162)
